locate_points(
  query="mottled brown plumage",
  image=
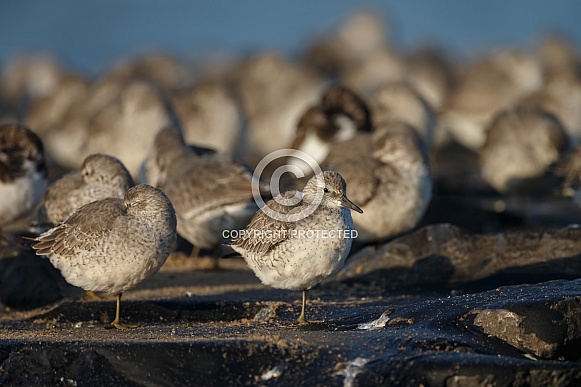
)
(111, 245)
(315, 120)
(18, 145)
(398, 101)
(277, 245)
(23, 172)
(389, 177)
(210, 192)
(521, 144)
(100, 177)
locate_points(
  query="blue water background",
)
(89, 35)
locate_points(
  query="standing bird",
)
(297, 246)
(23, 172)
(210, 192)
(111, 245)
(100, 177)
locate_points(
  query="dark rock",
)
(444, 254)
(63, 365)
(547, 330)
(206, 341)
(357, 336)
(156, 364)
(28, 281)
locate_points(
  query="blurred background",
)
(493, 88)
(90, 35)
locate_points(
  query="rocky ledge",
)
(425, 308)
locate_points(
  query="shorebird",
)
(521, 144)
(210, 192)
(210, 116)
(61, 121)
(339, 116)
(400, 102)
(274, 91)
(29, 77)
(561, 96)
(101, 176)
(111, 245)
(296, 246)
(23, 172)
(126, 126)
(431, 72)
(359, 53)
(389, 178)
(485, 88)
(48, 111)
(160, 68)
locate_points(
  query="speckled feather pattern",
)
(100, 177)
(209, 191)
(389, 177)
(354, 160)
(111, 245)
(289, 261)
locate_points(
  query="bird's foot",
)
(118, 325)
(302, 321)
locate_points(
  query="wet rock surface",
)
(446, 255)
(440, 322)
(29, 281)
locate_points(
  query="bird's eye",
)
(325, 190)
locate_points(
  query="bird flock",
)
(157, 146)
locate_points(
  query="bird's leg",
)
(195, 252)
(204, 262)
(302, 319)
(216, 257)
(117, 322)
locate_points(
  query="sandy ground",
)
(214, 327)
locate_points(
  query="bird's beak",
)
(349, 204)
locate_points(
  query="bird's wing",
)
(67, 183)
(353, 160)
(82, 229)
(264, 232)
(57, 199)
(208, 184)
